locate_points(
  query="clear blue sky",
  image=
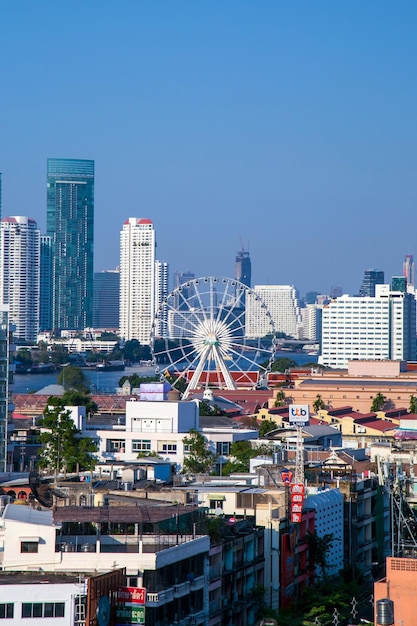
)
(289, 125)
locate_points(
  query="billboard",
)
(299, 414)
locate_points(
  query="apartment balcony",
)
(183, 589)
(215, 571)
(198, 583)
(160, 598)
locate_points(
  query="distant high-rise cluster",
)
(47, 284)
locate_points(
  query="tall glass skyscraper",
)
(70, 224)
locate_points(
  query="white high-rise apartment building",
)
(161, 292)
(282, 303)
(19, 274)
(374, 328)
(311, 322)
(137, 279)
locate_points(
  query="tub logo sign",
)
(299, 414)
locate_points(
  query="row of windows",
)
(43, 609)
(168, 447)
(34, 609)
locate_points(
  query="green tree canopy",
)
(136, 380)
(134, 351)
(24, 356)
(205, 408)
(283, 364)
(280, 398)
(378, 402)
(318, 403)
(266, 427)
(72, 397)
(200, 459)
(412, 408)
(63, 448)
(73, 378)
(241, 452)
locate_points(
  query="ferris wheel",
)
(199, 337)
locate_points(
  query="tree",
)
(205, 408)
(24, 357)
(280, 398)
(58, 354)
(318, 403)
(134, 351)
(177, 382)
(283, 364)
(241, 453)
(319, 548)
(73, 378)
(136, 380)
(378, 402)
(266, 427)
(73, 397)
(62, 446)
(412, 408)
(200, 459)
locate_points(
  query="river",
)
(107, 382)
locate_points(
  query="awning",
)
(31, 539)
(216, 496)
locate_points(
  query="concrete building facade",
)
(137, 279)
(380, 327)
(281, 302)
(19, 274)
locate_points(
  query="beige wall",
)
(399, 586)
(353, 394)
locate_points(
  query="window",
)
(223, 448)
(115, 445)
(6, 611)
(38, 609)
(29, 547)
(168, 447)
(141, 445)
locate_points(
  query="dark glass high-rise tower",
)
(371, 278)
(70, 224)
(243, 269)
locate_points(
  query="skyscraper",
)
(284, 308)
(19, 274)
(372, 328)
(45, 298)
(70, 224)
(161, 292)
(187, 292)
(243, 269)
(137, 279)
(106, 299)
(371, 278)
(408, 269)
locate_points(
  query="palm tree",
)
(318, 403)
(378, 402)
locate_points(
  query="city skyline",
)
(290, 126)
